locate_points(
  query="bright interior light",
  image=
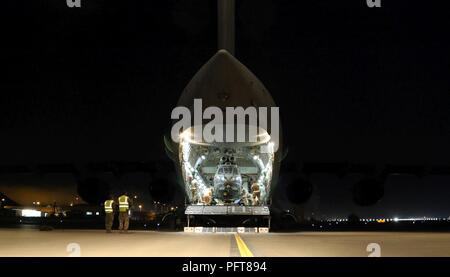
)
(31, 213)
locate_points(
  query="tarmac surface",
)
(89, 243)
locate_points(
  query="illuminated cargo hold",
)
(227, 173)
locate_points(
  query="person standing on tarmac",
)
(109, 214)
(124, 208)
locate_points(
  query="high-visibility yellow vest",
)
(123, 203)
(109, 206)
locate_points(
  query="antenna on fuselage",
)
(225, 25)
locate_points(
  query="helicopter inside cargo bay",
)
(227, 173)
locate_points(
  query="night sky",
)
(353, 85)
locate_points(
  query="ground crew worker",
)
(109, 214)
(245, 197)
(207, 197)
(256, 194)
(124, 208)
(194, 189)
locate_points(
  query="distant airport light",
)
(395, 219)
(88, 213)
(31, 213)
(140, 207)
(3, 199)
(97, 213)
(38, 203)
(135, 197)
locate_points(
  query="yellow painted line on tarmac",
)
(243, 249)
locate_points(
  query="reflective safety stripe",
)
(109, 206)
(123, 203)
